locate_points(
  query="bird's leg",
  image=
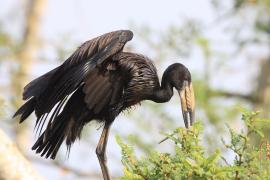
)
(101, 151)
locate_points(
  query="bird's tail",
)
(63, 128)
(67, 126)
(51, 139)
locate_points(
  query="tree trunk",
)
(13, 166)
(29, 46)
(25, 57)
(263, 89)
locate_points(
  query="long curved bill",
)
(187, 103)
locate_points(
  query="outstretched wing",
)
(54, 87)
(100, 91)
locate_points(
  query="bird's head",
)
(180, 78)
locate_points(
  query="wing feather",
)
(85, 87)
(97, 89)
(57, 84)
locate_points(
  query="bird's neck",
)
(165, 92)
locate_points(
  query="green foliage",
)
(190, 160)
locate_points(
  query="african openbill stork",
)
(97, 82)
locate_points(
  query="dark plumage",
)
(97, 82)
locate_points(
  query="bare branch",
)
(248, 97)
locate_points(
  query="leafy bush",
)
(190, 160)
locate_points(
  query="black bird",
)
(97, 82)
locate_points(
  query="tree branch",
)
(13, 165)
(248, 97)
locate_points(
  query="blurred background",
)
(225, 45)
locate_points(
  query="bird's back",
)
(141, 77)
